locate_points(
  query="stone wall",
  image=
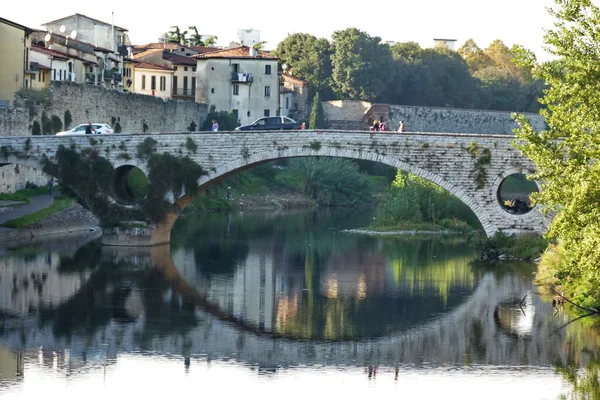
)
(96, 104)
(14, 121)
(357, 115)
(15, 177)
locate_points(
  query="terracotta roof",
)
(204, 49)
(289, 77)
(53, 53)
(42, 66)
(166, 46)
(236, 52)
(96, 48)
(23, 27)
(84, 16)
(145, 53)
(179, 59)
(145, 65)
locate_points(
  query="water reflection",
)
(259, 292)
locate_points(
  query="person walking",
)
(215, 125)
(89, 128)
(401, 129)
(50, 185)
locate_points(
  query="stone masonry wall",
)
(448, 160)
(14, 121)
(96, 104)
(350, 114)
(15, 177)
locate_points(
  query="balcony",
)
(92, 78)
(238, 77)
(184, 93)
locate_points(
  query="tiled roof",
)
(145, 53)
(96, 48)
(165, 46)
(145, 65)
(84, 16)
(236, 52)
(204, 49)
(289, 77)
(53, 53)
(42, 66)
(179, 59)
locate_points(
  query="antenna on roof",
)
(62, 29)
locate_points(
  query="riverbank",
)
(400, 232)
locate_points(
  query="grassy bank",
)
(59, 204)
(23, 195)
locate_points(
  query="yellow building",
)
(14, 63)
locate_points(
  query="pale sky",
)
(512, 21)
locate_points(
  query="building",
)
(248, 37)
(241, 80)
(153, 80)
(183, 84)
(14, 63)
(111, 44)
(294, 97)
(449, 43)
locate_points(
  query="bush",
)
(227, 121)
(36, 129)
(68, 119)
(56, 124)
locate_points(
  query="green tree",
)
(566, 153)
(317, 115)
(226, 120)
(211, 41)
(195, 39)
(176, 35)
(475, 58)
(362, 65)
(308, 58)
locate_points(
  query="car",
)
(271, 123)
(80, 130)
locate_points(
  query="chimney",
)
(253, 52)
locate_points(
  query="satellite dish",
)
(47, 37)
(73, 34)
(62, 29)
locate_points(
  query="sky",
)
(512, 21)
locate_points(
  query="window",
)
(153, 82)
(175, 68)
(185, 85)
(185, 68)
(248, 113)
(40, 76)
(193, 69)
(163, 83)
(193, 85)
(54, 74)
(212, 90)
(236, 90)
(91, 69)
(235, 114)
(267, 113)
(287, 103)
(268, 69)
(143, 82)
(174, 83)
(267, 91)
(236, 67)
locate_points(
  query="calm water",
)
(281, 306)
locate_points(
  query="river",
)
(274, 305)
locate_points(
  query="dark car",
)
(270, 123)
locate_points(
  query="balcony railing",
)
(181, 92)
(239, 77)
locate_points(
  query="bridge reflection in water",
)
(120, 301)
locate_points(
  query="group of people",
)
(380, 126)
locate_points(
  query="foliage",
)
(566, 153)
(317, 115)
(331, 181)
(56, 124)
(176, 35)
(196, 38)
(526, 246)
(46, 124)
(33, 98)
(146, 148)
(68, 119)
(227, 121)
(191, 145)
(308, 58)
(362, 65)
(23, 194)
(144, 127)
(118, 127)
(412, 199)
(36, 129)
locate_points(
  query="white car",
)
(80, 130)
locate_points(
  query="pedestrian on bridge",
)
(401, 129)
(215, 125)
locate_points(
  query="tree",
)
(175, 35)
(196, 38)
(362, 65)
(317, 115)
(211, 41)
(475, 58)
(308, 58)
(566, 154)
(259, 45)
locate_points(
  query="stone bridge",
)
(470, 166)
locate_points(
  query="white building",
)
(248, 37)
(153, 80)
(449, 43)
(241, 80)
